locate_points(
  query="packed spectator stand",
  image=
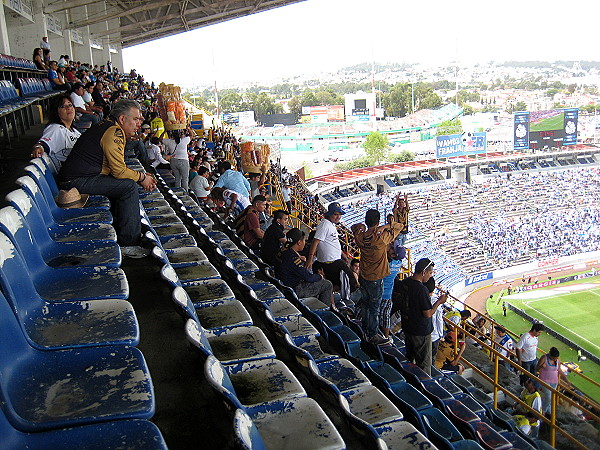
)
(289, 371)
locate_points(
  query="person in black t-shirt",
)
(274, 237)
(417, 310)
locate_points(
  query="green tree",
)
(468, 110)
(295, 106)
(231, 102)
(403, 156)
(376, 146)
(518, 106)
(448, 127)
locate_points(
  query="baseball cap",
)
(333, 208)
(294, 235)
(146, 126)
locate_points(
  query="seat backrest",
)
(14, 225)
(246, 434)
(11, 438)
(43, 168)
(22, 202)
(182, 299)
(195, 334)
(15, 279)
(49, 164)
(14, 345)
(33, 191)
(39, 179)
(219, 380)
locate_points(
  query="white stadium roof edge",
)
(135, 22)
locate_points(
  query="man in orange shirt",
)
(374, 267)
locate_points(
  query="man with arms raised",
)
(96, 165)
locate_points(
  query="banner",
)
(521, 131)
(478, 278)
(460, 144)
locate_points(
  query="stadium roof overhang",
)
(141, 21)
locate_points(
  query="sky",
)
(317, 36)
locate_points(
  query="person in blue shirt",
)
(292, 273)
(233, 180)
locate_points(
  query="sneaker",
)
(378, 340)
(134, 251)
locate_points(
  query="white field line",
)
(557, 323)
(562, 294)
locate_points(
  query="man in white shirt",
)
(504, 344)
(83, 112)
(526, 349)
(328, 250)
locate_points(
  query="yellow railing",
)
(496, 356)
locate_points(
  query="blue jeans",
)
(124, 203)
(530, 366)
(89, 118)
(370, 292)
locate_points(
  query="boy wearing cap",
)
(292, 273)
(328, 250)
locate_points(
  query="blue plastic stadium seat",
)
(297, 423)
(233, 345)
(439, 429)
(72, 215)
(43, 390)
(27, 201)
(66, 283)
(37, 247)
(179, 256)
(200, 291)
(131, 433)
(401, 435)
(252, 383)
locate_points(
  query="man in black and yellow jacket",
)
(96, 165)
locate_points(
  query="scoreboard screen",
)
(539, 129)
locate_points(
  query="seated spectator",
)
(155, 157)
(292, 273)
(274, 238)
(56, 80)
(200, 184)
(38, 58)
(96, 166)
(233, 202)
(83, 113)
(99, 98)
(59, 136)
(233, 180)
(256, 181)
(526, 423)
(447, 358)
(89, 101)
(252, 234)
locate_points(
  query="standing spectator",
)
(504, 345)
(526, 349)
(548, 368)
(96, 166)
(292, 273)
(326, 245)
(374, 267)
(233, 180)
(286, 190)
(402, 209)
(274, 237)
(59, 136)
(416, 311)
(180, 159)
(385, 309)
(44, 43)
(437, 321)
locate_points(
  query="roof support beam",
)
(128, 12)
(58, 6)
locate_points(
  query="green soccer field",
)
(575, 315)
(553, 123)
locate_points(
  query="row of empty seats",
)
(71, 376)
